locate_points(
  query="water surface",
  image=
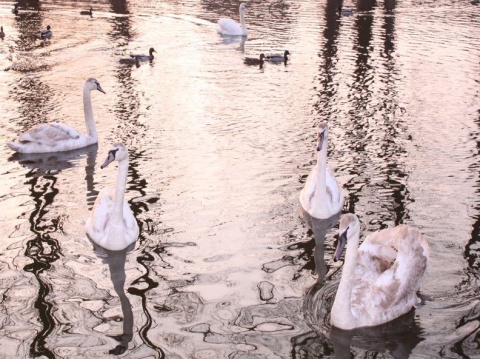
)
(226, 266)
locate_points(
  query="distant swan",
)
(55, 137)
(371, 290)
(111, 223)
(278, 57)
(321, 196)
(87, 12)
(2, 34)
(254, 60)
(231, 27)
(46, 34)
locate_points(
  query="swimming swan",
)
(231, 27)
(55, 137)
(321, 196)
(371, 290)
(278, 57)
(46, 34)
(111, 223)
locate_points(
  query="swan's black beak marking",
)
(320, 141)
(110, 158)
(99, 88)
(342, 241)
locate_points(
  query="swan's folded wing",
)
(228, 26)
(101, 213)
(333, 189)
(49, 133)
(400, 283)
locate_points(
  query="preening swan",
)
(372, 291)
(111, 223)
(321, 196)
(231, 27)
(46, 34)
(54, 137)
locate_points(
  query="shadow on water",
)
(44, 248)
(116, 265)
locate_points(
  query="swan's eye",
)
(113, 153)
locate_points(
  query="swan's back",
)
(229, 27)
(382, 291)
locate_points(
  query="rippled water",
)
(226, 266)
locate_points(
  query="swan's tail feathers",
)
(14, 146)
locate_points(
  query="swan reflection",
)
(116, 265)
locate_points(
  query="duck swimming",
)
(278, 57)
(254, 61)
(46, 34)
(372, 290)
(142, 58)
(87, 12)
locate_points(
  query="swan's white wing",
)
(49, 134)
(334, 191)
(129, 221)
(228, 27)
(308, 192)
(98, 222)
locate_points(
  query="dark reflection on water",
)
(44, 249)
(116, 265)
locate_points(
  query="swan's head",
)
(243, 6)
(118, 153)
(92, 84)
(151, 51)
(349, 227)
(322, 134)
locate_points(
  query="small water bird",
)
(15, 9)
(372, 291)
(87, 12)
(254, 61)
(142, 58)
(321, 196)
(344, 12)
(278, 57)
(111, 223)
(56, 136)
(2, 34)
(230, 27)
(46, 34)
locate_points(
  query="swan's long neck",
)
(120, 190)
(242, 21)
(321, 190)
(88, 112)
(341, 314)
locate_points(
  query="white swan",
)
(111, 223)
(321, 196)
(371, 290)
(46, 34)
(231, 27)
(55, 137)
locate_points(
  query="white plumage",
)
(111, 223)
(231, 27)
(321, 196)
(372, 290)
(56, 137)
